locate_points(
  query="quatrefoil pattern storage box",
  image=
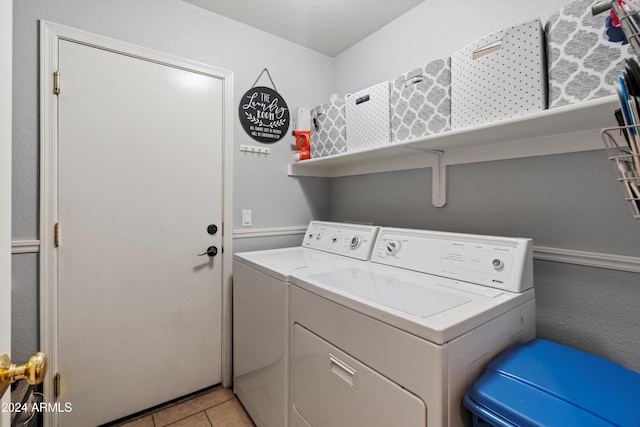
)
(420, 101)
(584, 59)
(499, 76)
(328, 129)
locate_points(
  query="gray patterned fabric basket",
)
(420, 101)
(583, 63)
(328, 129)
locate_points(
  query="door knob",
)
(33, 371)
(211, 251)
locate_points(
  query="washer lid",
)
(281, 263)
(446, 308)
(402, 295)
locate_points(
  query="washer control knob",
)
(334, 239)
(318, 236)
(498, 264)
(392, 247)
(355, 242)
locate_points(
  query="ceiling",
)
(326, 26)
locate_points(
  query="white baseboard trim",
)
(25, 246)
(590, 259)
(567, 256)
(251, 233)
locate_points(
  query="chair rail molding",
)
(25, 246)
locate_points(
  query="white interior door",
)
(140, 180)
(5, 190)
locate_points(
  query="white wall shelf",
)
(525, 136)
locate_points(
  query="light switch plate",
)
(246, 217)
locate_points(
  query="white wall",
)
(303, 77)
(432, 30)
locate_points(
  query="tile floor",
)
(212, 408)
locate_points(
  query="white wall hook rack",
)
(255, 150)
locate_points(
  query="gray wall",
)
(569, 201)
(271, 242)
(24, 306)
(592, 309)
(179, 28)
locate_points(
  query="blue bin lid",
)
(542, 383)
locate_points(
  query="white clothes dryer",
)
(398, 340)
(260, 311)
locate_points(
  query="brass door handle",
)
(33, 371)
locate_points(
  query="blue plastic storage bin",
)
(542, 383)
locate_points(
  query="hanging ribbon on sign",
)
(263, 112)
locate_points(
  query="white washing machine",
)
(260, 311)
(398, 340)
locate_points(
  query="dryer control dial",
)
(498, 264)
(392, 247)
(355, 242)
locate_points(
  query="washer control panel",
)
(499, 262)
(351, 240)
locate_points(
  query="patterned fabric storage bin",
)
(499, 76)
(328, 129)
(420, 101)
(368, 117)
(583, 63)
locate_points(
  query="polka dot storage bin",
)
(367, 114)
(584, 61)
(499, 76)
(420, 101)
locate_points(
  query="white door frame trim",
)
(50, 34)
(6, 66)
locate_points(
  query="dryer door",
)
(330, 388)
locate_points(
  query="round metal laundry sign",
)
(264, 114)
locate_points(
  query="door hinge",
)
(56, 234)
(56, 386)
(56, 82)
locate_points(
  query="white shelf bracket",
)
(439, 180)
(438, 177)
